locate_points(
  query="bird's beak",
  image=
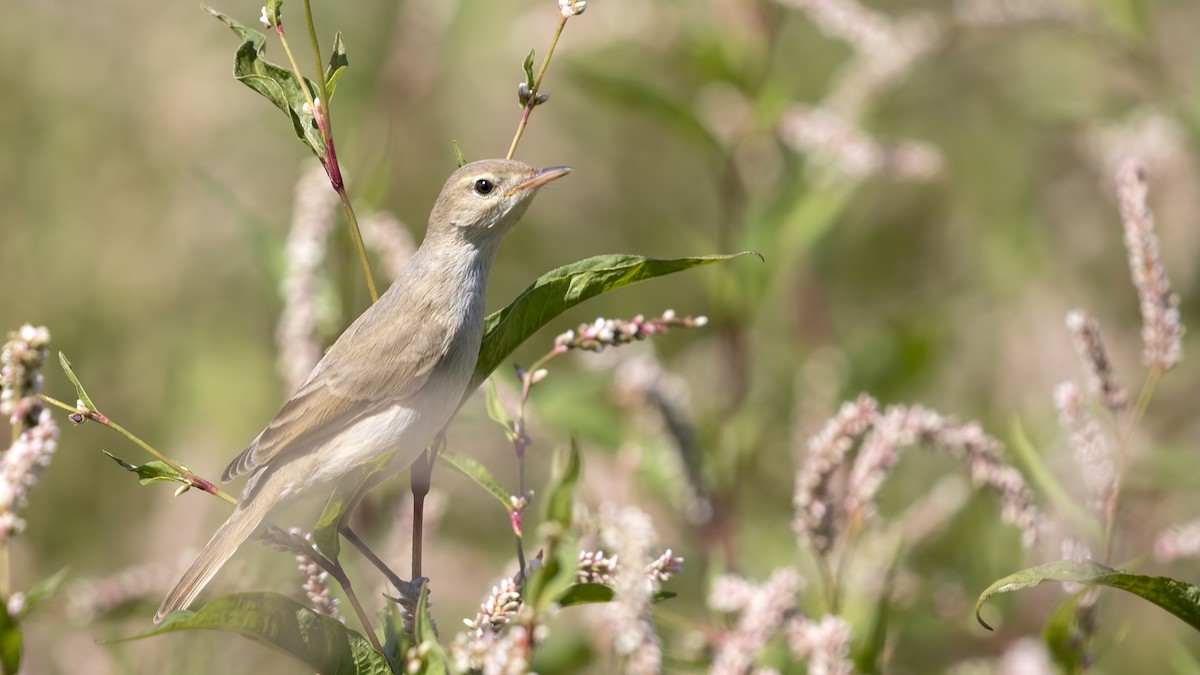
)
(540, 178)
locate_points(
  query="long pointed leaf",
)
(1177, 597)
(322, 643)
(79, 392)
(275, 83)
(560, 289)
(478, 473)
(10, 642)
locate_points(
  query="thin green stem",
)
(308, 97)
(322, 115)
(5, 584)
(355, 233)
(537, 85)
(99, 417)
(1112, 505)
(316, 51)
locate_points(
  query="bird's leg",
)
(422, 471)
(352, 537)
(282, 540)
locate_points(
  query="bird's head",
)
(483, 200)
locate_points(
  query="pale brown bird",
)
(395, 377)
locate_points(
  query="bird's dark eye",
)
(484, 186)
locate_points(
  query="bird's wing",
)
(348, 385)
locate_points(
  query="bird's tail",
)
(249, 513)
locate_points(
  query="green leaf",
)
(79, 392)
(10, 642)
(584, 594)
(1043, 477)
(151, 472)
(478, 473)
(346, 495)
(321, 643)
(866, 657)
(393, 637)
(1177, 597)
(42, 590)
(274, 11)
(561, 500)
(434, 660)
(459, 158)
(338, 63)
(1059, 634)
(497, 411)
(278, 85)
(556, 574)
(558, 290)
(528, 68)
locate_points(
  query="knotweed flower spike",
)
(1088, 444)
(1162, 330)
(35, 432)
(603, 332)
(1089, 344)
(316, 582)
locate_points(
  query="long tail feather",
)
(240, 525)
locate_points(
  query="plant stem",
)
(335, 570)
(1113, 502)
(96, 416)
(537, 85)
(325, 126)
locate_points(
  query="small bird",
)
(396, 376)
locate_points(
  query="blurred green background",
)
(147, 195)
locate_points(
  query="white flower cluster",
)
(316, 582)
(603, 332)
(20, 363)
(21, 359)
(570, 8)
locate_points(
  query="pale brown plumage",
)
(395, 376)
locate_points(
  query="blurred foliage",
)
(148, 196)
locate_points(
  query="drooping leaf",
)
(42, 590)
(151, 472)
(10, 642)
(346, 495)
(1177, 597)
(338, 63)
(275, 83)
(558, 290)
(320, 642)
(79, 391)
(478, 473)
